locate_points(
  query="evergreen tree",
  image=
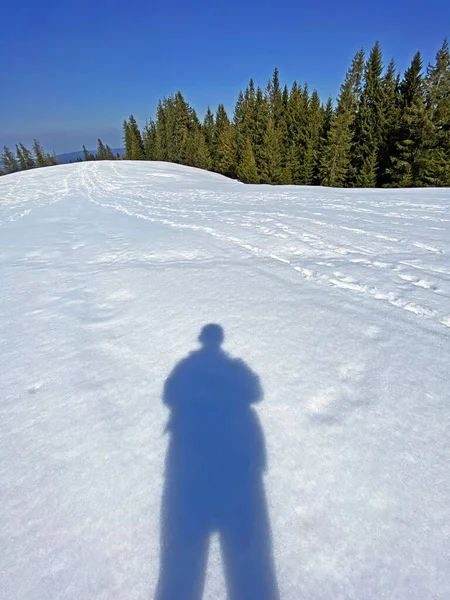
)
(126, 140)
(9, 161)
(246, 169)
(41, 158)
(297, 119)
(136, 146)
(25, 158)
(391, 116)
(109, 154)
(101, 150)
(209, 130)
(87, 156)
(149, 140)
(438, 101)
(39, 155)
(334, 167)
(309, 167)
(368, 125)
(262, 118)
(272, 164)
(226, 152)
(411, 164)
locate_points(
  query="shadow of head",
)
(213, 481)
(211, 336)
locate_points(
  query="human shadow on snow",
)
(213, 480)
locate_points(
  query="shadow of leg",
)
(247, 549)
(183, 564)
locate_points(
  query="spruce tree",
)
(87, 156)
(411, 164)
(101, 150)
(368, 125)
(246, 169)
(209, 133)
(391, 117)
(39, 155)
(9, 161)
(309, 168)
(136, 147)
(126, 140)
(297, 119)
(149, 140)
(226, 158)
(335, 163)
(25, 158)
(262, 118)
(437, 85)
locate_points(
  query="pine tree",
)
(262, 118)
(368, 125)
(136, 147)
(223, 153)
(272, 172)
(126, 140)
(25, 158)
(109, 154)
(9, 161)
(101, 150)
(39, 155)
(149, 140)
(197, 150)
(437, 85)
(246, 169)
(309, 167)
(209, 130)
(411, 165)
(226, 152)
(391, 117)
(161, 142)
(297, 119)
(335, 163)
(87, 156)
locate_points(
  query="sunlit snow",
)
(338, 300)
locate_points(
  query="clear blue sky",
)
(72, 70)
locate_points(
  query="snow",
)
(339, 300)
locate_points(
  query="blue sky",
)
(72, 70)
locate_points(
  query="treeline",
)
(384, 131)
(104, 152)
(23, 158)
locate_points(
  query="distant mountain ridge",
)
(69, 157)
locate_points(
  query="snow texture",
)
(336, 302)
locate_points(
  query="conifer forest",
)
(383, 130)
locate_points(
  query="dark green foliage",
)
(25, 158)
(9, 161)
(149, 140)
(225, 155)
(411, 164)
(87, 155)
(437, 86)
(134, 146)
(369, 123)
(335, 162)
(381, 131)
(41, 158)
(246, 169)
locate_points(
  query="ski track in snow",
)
(375, 247)
(338, 299)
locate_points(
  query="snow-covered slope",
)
(339, 300)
